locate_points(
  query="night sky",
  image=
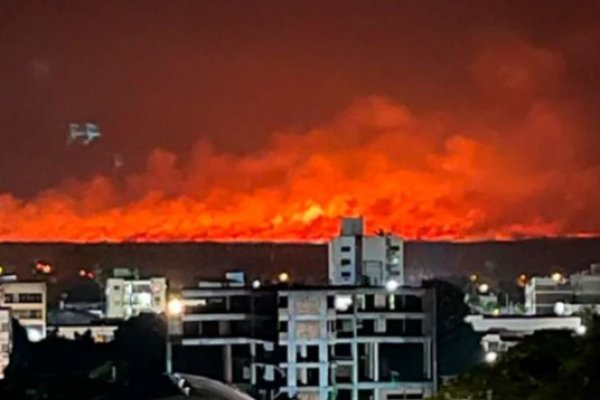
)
(270, 119)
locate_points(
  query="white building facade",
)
(357, 343)
(27, 302)
(126, 297)
(564, 295)
(359, 259)
(5, 339)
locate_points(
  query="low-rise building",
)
(27, 302)
(128, 297)
(564, 295)
(503, 332)
(5, 339)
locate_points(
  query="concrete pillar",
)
(427, 359)
(227, 364)
(376, 361)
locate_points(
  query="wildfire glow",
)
(432, 175)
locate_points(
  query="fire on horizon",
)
(430, 127)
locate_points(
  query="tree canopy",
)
(548, 365)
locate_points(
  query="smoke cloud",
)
(511, 162)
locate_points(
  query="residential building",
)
(360, 343)
(357, 343)
(5, 339)
(564, 295)
(359, 259)
(503, 332)
(27, 302)
(128, 297)
(228, 334)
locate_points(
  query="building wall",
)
(5, 339)
(130, 297)
(356, 259)
(27, 302)
(100, 334)
(381, 346)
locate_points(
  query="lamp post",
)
(174, 310)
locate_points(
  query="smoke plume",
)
(509, 161)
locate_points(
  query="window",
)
(346, 261)
(395, 248)
(346, 275)
(4, 327)
(9, 298)
(346, 248)
(283, 326)
(30, 297)
(27, 314)
(282, 302)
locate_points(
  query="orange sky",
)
(428, 128)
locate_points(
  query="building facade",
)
(359, 343)
(27, 302)
(5, 339)
(128, 297)
(562, 295)
(359, 259)
(234, 328)
(503, 332)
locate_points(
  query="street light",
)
(557, 277)
(491, 357)
(391, 285)
(256, 284)
(283, 277)
(483, 288)
(174, 310)
(174, 307)
(581, 330)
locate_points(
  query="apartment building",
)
(357, 343)
(27, 303)
(227, 333)
(5, 339)
(359, 259)
(564, 295)
(129, 296)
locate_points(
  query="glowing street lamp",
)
(581, 330)
(483, 288)
(174, 307)
(491, 357)
(283, 277)
(557, 277)
(256, 284)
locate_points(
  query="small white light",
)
(256, 284)
(284, 277)
(391, 285)
(342, 302)
(491, 357)
(34, 334)
(483, 288)
(581, 330)
(559, 308)
(557, 277)
(175, 307)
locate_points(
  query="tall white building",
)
(126, 298)
(359, 259)
(5, 339)
(27, 302)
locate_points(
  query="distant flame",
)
(508, 168)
